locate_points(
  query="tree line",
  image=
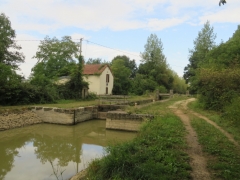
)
(213, 72)
(60, 57)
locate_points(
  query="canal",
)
(50, 152)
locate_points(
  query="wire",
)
(77, 40)
(112, 48)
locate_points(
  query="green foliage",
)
(218, 87)
(91, 96)
(25, 93)
(141, 84)
(9, 54)
(162, 89)
(157, 152)
(130, 64)
(202, 45)
(214, 71)
(232, 112)
(121, 77)
(154, 71)
(96, 61)
(55, 57)
(224, 157)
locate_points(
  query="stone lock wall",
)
(126, 122)
(18, 119)
(65, 116)
(114, 119)
(85, 113)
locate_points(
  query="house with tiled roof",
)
(99, 77)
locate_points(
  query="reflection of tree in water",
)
(8, 150)
(63, 149)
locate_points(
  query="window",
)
(107, 78)
(106, 90)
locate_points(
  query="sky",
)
(119, 27)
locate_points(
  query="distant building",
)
(99, 77)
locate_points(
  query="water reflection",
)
(49, 151)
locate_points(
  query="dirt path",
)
(197, 160)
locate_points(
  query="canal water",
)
(52, 152)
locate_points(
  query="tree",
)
(121, 77)
(9, 59)
(130, 64)
(58, 58)
(203, 44)
(55, 57)
(154, 51)
(154, 66)
(9, 54)
(95, 61)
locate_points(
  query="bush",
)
(218, 88)
(232, 112)
(91, 95)
(25, 93)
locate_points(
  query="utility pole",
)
(80, 63)
(80, 49)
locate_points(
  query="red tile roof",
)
(93, 69)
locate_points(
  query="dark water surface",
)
(50, 152)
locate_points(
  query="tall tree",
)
(9, 50)
(154, 65)
(10, 57)
(204, 43)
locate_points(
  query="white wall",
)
(94, 83)
(97, 84)
(103, 84)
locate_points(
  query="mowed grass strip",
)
(224, 157)
(158, 152)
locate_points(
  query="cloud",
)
(160, 24)
(47, 16)
(227, 15)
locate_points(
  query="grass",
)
(158, 152)
(223, 156)
(226, 124)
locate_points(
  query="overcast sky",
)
(121, 25)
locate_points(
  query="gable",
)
(95, 69)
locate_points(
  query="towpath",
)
(197, 160)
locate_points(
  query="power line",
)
(77, 40)
(112, 48)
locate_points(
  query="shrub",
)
(232, 112)
(218, 87)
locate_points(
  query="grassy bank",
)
(158, 152)
(223, 156)
(230, 126)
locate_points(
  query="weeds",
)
(224, 156)
(224, 121)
